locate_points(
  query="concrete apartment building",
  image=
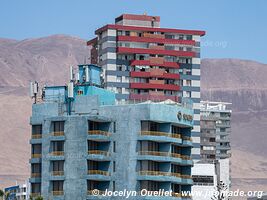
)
(83, 140)
(215, 131)
(215, 123)
(142, 61)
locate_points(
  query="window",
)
(36, 149)
(58, 165)
(113, 185)
(149, 126)
(114, 147)
(119, 90)
(114, 166)
(114, 127)
(57, 185)
(189, 37)
(57, 146)
(119, 79)
(187, 94)
(37, 129)
(36, 187)
(202, 180)
(36, 168)
(150, 185)
(58, 126)
(188, 83)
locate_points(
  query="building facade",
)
(83, 142)
(19, 191)
(215, 131)
(142, 61)
(205, 181)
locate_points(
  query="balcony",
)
(156, 47)
(57, 153)
(36, 155)
(150, 35)
(99, 135)
(157, 73)
(223, 125)
(158, 133)
(128, 50)
(155, 40)
(171, 87)
(92, 192)
(98, 132)
(98, 155)
(57, 193)
(36, 175)
(160, 136)
(165, 176)
(58, 133)
(57, 173)
(35, 194)
(155, 62)
(187, 141)
(156, 81)
(98, 152)
(36, 136)
(98, 172)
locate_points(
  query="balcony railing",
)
(165, 154)
(158, 133)
(35, 194)
(35, 175)
(98, 152)
(156, 60)
(187, 138)
(36, 136)
(160, 173)
(98, 172)
(57, 153)
(92, 192)
(153, 153)
(58, 133)
(36, 155)
(185, 157)
(150, 35)
(57, 173)
(176, 194)
(58, 193)
(157, 47)
(98, 132)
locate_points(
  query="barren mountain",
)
(47, 59)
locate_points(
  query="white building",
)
(205, 181)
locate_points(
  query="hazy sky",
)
(235, 29)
